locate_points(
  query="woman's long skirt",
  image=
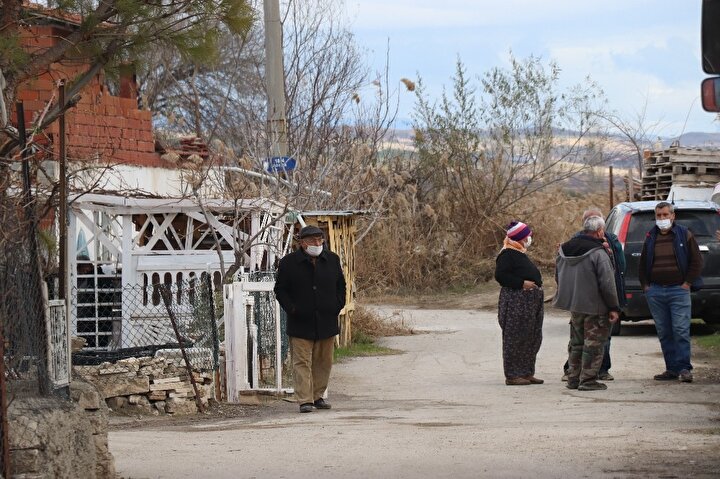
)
(520, 314)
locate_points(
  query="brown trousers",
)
(312, 361)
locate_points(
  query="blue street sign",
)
(279, 164)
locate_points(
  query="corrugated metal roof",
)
(335, 212)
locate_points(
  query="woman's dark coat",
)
(312, 296)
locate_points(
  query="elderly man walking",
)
(586, 287)
(310, 287)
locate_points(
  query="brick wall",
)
(101, 126)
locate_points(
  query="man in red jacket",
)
(310, 287)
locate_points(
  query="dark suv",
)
(631, 222)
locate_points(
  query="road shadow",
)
(647, 328)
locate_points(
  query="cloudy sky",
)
(641, 52)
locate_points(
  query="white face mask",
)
(664, 224)
(528, 242)
(314, 250)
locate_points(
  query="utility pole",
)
(275, 80)
(62, 213)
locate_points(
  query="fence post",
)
(214, 333)
(37, 311)
(236, 341)
(278, 349)
(252, 342)
(4, 436)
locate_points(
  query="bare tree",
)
(485, 148)
(635, 135)
(517, 136)
(339, 115)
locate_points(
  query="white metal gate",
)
(248, 352)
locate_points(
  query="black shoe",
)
(572, 384)
(666, 376)
(321, 404)
(306, 407)
(592, 386)
(686, 376)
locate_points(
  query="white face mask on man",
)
(528, 242)
(314, 250)
(665, 224)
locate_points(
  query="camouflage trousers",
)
(588, 334)
(520, 315)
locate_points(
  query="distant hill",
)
(693, 138)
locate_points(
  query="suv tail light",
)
(622, 234)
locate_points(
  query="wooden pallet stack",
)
(681, 166)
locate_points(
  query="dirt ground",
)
(441, 409)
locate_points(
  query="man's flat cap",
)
(310, 231)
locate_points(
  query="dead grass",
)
(420, 252)
(368, 324)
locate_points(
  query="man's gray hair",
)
(593, 224)
(592, 211)
(665, 204)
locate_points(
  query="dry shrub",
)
(418, 249)
(369, 324)
(554, 217)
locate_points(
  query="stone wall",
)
(149, 385)
(53, 438)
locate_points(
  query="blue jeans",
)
(671, 308)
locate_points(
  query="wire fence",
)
(265, 321)
(26, 326)
(152, 347)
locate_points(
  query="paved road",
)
(441, 409)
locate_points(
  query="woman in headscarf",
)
(520, 307)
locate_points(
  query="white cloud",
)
(638, 51)
(409, 14)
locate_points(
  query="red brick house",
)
(101, 126)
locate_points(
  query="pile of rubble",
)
(149, 385)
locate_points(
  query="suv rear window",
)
(701, 223)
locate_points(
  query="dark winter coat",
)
(311, 295)
(512, 268)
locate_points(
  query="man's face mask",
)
(663, 224)
(528, 242)
(313, 245)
